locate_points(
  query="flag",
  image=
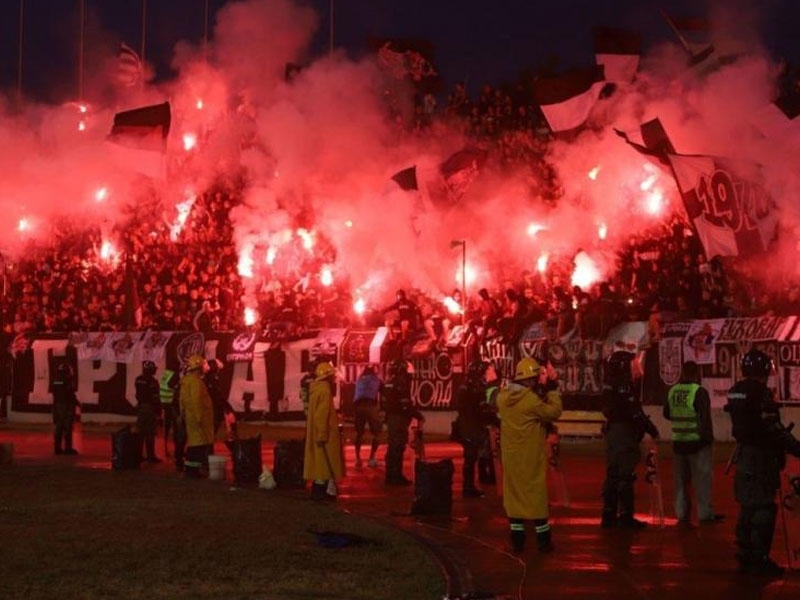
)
(693, 33)
(461, 169)
(566, 100)
(651, 141)
(129, 66)
(138, 139)
(732, 216)
(789, 104)
(618, 51)
(407, 178)
(405, 57)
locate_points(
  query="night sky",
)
(475, 41)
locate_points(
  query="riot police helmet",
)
(148, 367)
(618, 367)
(64, 370)
(477, 369)
(756, 363)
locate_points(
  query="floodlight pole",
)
(21, 44)
(80, 49)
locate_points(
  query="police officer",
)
(626, 424)
(148, 408)
(474, 415)
(222, 408)
(399, 412)
(64, 404)
(368, 388)
(763, 442)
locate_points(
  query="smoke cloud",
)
(318, 153)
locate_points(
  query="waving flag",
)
(461, 169)
(651, 140)
(129, 67)
(567, 100)
(617, 50)
(138, 139)
(732, 216)
(407, 178)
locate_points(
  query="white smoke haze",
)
(318, 154)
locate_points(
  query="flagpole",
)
(676, 31)
(19, 58)
(144, 29)
(330, 49)
(205, 31)
(80, 51)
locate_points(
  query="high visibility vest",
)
(165, 392)
(682, 413)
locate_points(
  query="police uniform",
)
(399, 412)
(474, 415)
(762, 446)
(148, 407)
(64, 404)
(626, 424)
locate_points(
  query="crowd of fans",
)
(159, 278)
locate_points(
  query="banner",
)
(120, 347)
(268, 385)
(629, 337)
(242, 347)
(732, 215)
(154, 345)
(698, 345)
(89, 345)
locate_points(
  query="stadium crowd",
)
(160, 278)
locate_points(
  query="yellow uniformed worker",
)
(527, 407)
(323, 458)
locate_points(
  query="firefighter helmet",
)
(195, 361)
(324, 370)
(527, 368)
